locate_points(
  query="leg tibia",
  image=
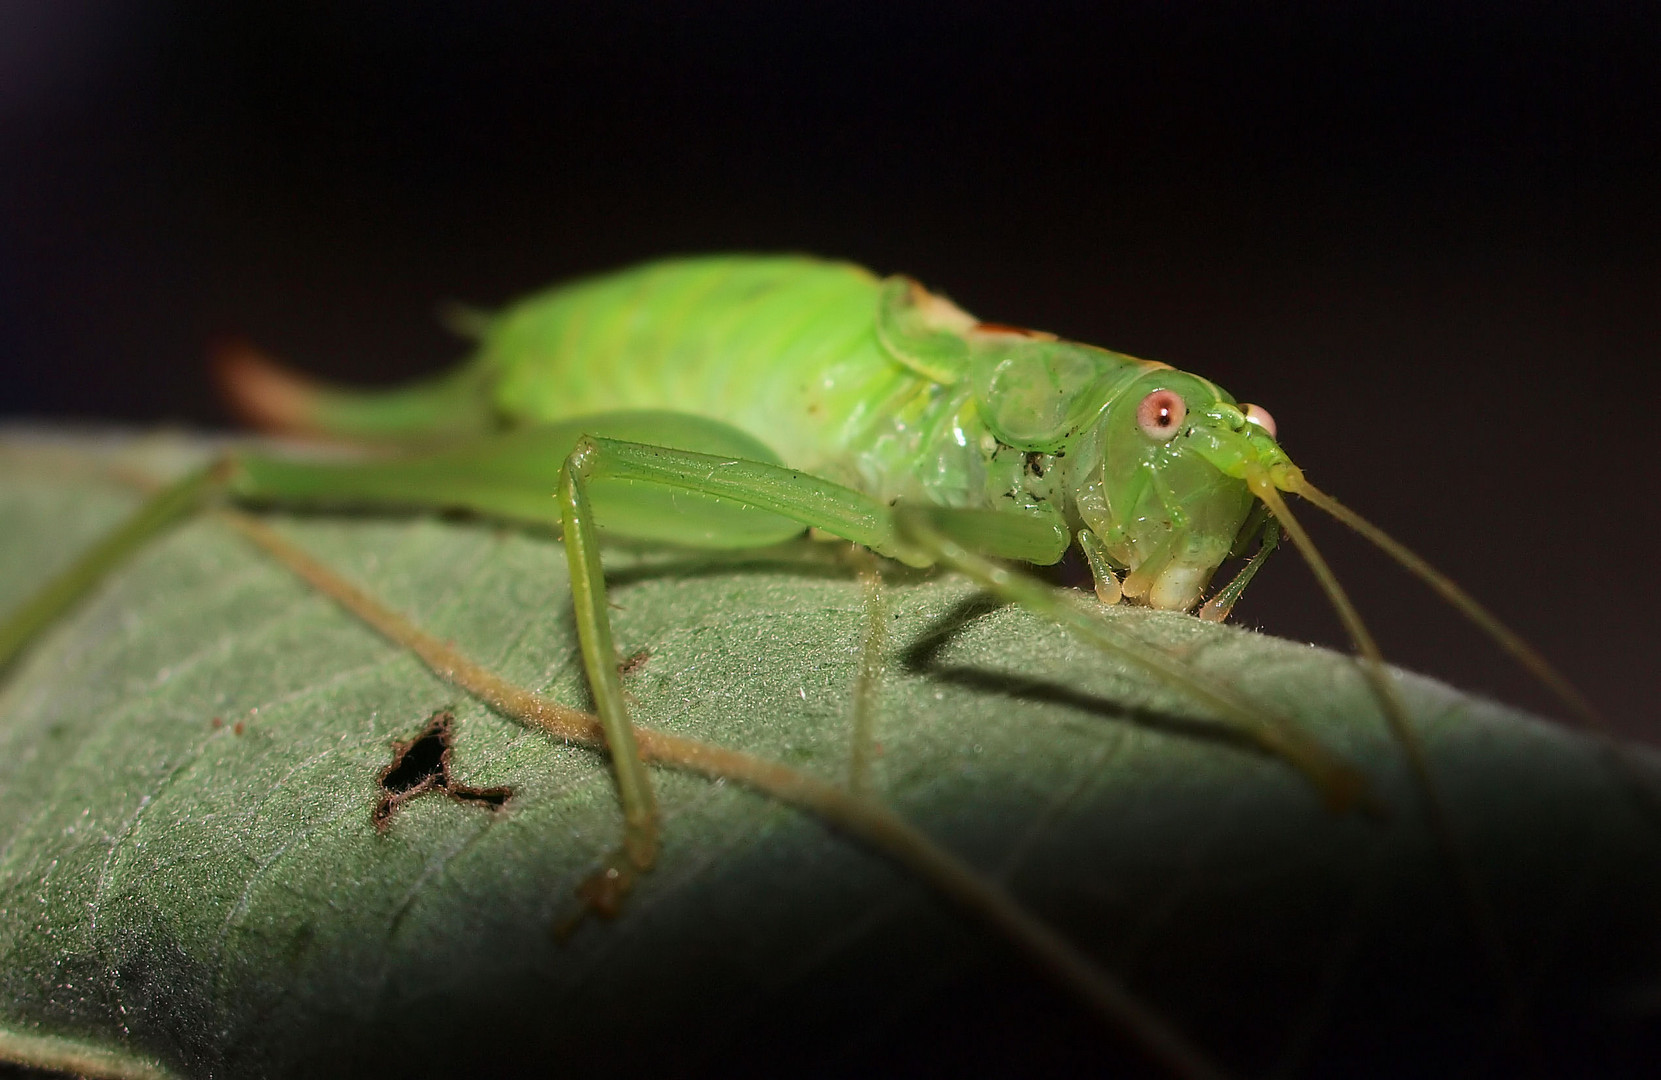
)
(588, 595)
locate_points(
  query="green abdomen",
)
(783, 348)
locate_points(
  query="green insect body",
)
(874, 384)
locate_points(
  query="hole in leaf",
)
(422, 764)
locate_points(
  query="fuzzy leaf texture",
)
(191, 882)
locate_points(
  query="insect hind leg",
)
(160, 511)
(603, 892)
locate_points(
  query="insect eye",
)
(1160, 414)
(1257, 414)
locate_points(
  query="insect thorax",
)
(933, 446)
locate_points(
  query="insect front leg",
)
(1109, 589)
(1217, 608)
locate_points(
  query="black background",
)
(1425, 237)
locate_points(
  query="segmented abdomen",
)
(783, 348)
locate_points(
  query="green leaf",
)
(191, 881)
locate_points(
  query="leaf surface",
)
(190, 878)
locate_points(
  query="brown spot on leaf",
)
(422, 765)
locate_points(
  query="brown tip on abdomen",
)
(261, 392)
(992, 329)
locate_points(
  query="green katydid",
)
(732, 402)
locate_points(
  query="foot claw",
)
(601, 893)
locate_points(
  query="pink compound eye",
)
(1160, 414)
(1257, 414)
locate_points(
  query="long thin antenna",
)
(1372, 660)
(1395, 712)
(1520, 650)
(1524, 653)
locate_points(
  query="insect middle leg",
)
(867, 684)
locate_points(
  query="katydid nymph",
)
(734, 402)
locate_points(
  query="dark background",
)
(1425, 237)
